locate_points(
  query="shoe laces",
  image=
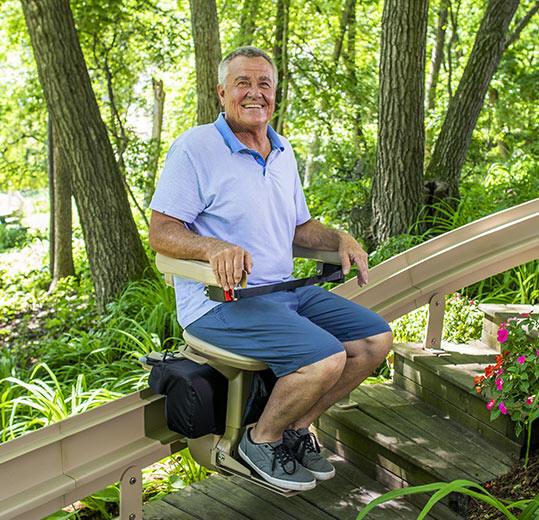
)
(283, 455)
(306, 443)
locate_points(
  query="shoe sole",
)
(322, 476)
(285, 484)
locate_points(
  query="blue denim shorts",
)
(289, 329)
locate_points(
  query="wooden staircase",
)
(428, 424)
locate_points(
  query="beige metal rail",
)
(46, 470)
(471, 253)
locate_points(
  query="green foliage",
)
(12, 237)
(442, 489)
(462, 322)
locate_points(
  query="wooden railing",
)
(45, 470)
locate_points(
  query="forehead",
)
(245, 66)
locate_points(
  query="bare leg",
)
(294, 394)
(363, 356)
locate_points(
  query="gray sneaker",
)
(274, 462)
(303, 444)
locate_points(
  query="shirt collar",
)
(235, 144)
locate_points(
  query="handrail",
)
(48, 469)
(449, 262)
(52, 467)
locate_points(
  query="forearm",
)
(170, 237)
(315, 235)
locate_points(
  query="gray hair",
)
(249, 52)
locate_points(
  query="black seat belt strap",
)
(330, 273)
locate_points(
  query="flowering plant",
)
(512, 384)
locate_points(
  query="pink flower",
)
(491, 404)
(500, 372)
(521, 359)
(524, 315)
(538, 352)
(502, 335)
(499, 383)
(502, 407)
(529, 400)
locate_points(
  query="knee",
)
(326, 371)
(380, 345)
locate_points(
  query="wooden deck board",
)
(445, 442)
(236, 497)
(202, 506)
(161, 510)
(461, 439)
(223, 498)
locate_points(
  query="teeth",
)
(253, 106)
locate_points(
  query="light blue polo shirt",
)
(222, 189)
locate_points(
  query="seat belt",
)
(327, 273)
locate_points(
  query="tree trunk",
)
(280, 56)
(345, 18)
(464, 108)
(113, 245)
(398, 178)
(312, 165)
(60, 231)
(247, 30)
(155, 146)
(437, 56)
(205, 27)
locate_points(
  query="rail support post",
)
(131, 494)
(435, 324)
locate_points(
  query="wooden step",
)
(495, 315)
(234, 498)
(446, 382)
(400, 440)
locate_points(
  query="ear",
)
(221, 92)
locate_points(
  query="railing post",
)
(435, 324)
(131, 494)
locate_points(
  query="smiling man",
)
(230, 194)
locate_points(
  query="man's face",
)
(249, 93)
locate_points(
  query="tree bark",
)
(60, 231)
(452, 144)
(155, 147)
(205, 25)
(247, 30)
(437, 56)
(280, 56)
(398, 178)
(113, 245)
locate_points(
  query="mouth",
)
(253, 105)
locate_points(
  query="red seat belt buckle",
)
(229, 295)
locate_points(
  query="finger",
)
(238, 268)
(345, 263)
(363, 269)
(247, 262)
(229, 274)
(216, 267)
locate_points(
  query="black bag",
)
(196, 396)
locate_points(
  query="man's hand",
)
(351, 252)
(228, 262)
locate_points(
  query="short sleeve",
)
(178, 191)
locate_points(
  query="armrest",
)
(328, 257)
(192, 269)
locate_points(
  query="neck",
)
(254, 138)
